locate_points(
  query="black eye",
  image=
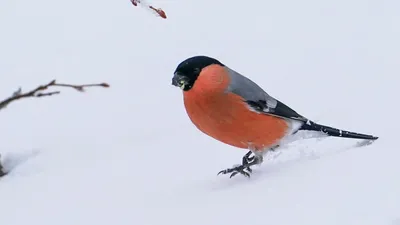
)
(197, 70)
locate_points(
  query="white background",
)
(130, 155)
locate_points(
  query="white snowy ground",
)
(129, 154)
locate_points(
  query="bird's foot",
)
(236, 170)
(244, 169)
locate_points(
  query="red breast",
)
(225, 116)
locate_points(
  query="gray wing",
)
(257, 99)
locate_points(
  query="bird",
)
(231, 108)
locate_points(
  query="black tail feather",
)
(309, 125)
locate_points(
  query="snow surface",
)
(130, 155)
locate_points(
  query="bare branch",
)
(37, 92)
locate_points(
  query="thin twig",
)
(37, 92)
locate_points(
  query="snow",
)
(130, 155)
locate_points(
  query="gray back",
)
(249, 90)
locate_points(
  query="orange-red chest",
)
(225, 117)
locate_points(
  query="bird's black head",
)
(188, 71)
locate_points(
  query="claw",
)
(249, 169)
(226, 171)
(222, 172)
(244, 169)
(233, 174)
(235, 170)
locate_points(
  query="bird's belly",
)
(231, 122)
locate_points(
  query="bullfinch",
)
(233, 109)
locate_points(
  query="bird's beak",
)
(180, 80)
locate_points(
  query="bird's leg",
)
(247, 159)
(246, 164)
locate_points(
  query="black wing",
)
(280, 110)
(283, 111)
